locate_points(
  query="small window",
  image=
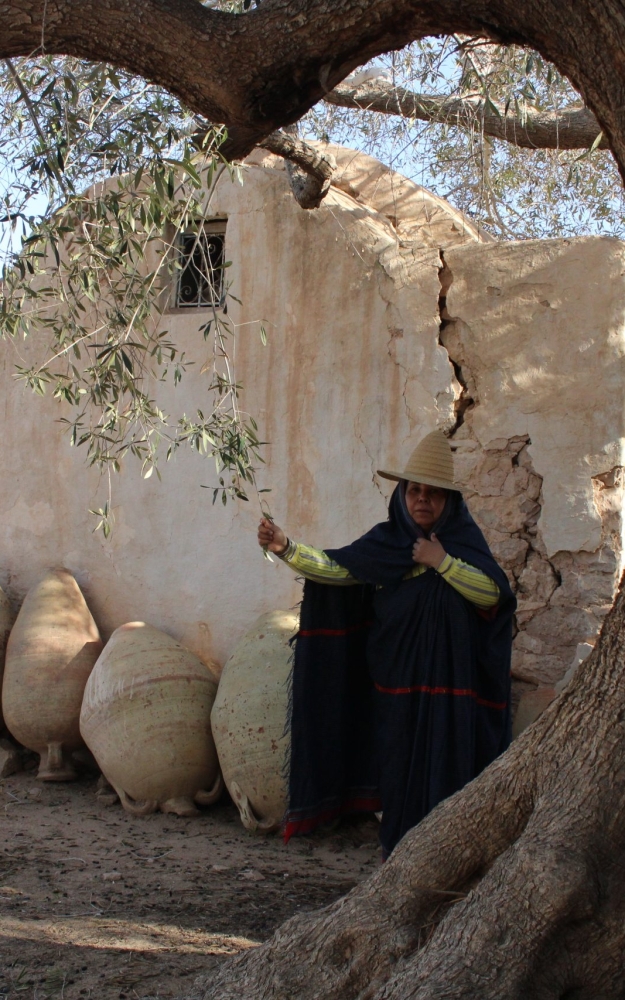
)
(201, 278)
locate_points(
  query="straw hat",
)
(431, 463)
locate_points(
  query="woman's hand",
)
(429, 553)
(271, 537)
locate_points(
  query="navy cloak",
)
(401, 687)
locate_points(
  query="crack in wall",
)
(465, 400)
(371, 460)
(561, 599)
(395, 333)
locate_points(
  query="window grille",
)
(201, 256)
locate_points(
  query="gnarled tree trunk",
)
(263, 69)
(512, 888)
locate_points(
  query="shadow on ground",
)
(95, 903)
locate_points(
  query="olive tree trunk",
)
(513, 888)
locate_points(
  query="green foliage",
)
(512, 193)
(102, 175)
(100, 172)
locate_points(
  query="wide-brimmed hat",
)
(431, 462)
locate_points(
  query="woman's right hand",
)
(271, 537)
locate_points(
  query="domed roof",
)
(414, 212)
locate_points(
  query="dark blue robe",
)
(401, 687)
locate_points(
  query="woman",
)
(422, 601)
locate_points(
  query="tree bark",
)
(513, 888)
(576, 128)
(310, 171)
(263, 69)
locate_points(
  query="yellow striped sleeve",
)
(314, 564)
(469, 581)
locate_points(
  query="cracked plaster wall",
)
(537, 330)
(352, 373)
(525, 370)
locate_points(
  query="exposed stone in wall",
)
(562, 599)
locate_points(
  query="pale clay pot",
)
(6, 620)
(50, 653)
(10, 759)
(146, 719)
(249, 720)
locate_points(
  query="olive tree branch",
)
(574, 128)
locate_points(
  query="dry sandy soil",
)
(97, 903)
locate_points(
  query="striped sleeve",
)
(314, 564)
(469, 581)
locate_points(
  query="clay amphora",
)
(10, 758)
(249, 720)
(146, 719)
(6, 620)
(50, 654)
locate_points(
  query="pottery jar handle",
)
(208, 798)
(134, 806)
(248, 817)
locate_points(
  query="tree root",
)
(346, 950)
(513, 888)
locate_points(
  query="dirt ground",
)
(97, 903)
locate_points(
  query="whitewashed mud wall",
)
(536, 330)
(327, 394)
(359, 364)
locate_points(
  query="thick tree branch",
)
(261, 70)
(253, 72)
(573, 129)
(310, 172)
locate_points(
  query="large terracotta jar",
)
(146, 719)
(6, 619)
(249, 720)
(50, 654)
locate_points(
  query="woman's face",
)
(425, 504)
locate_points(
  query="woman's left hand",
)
(428, 552)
